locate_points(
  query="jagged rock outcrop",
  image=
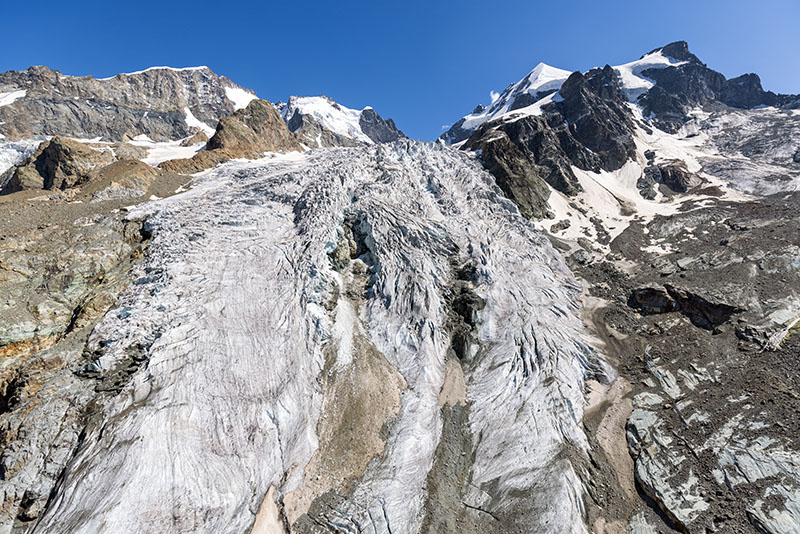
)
(674, 174)
(377, 128)
(57, 164)
(162, 103)
(515, 175)
(704, 311)
(248, 133)
(692, 84)
(251, 131)
(593, 106)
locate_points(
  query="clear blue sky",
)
(425, 64)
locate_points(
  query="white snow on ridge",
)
(630, 74)
(542, 78)
(240, 97)
(11, 97)
(333, 116)
(193, 121)
(533, 109)
(175, 69)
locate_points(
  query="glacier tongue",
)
(281, 388)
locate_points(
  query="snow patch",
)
(165, 150)
(11, 97)
(193, 121)
(240, 97)
(634, 83)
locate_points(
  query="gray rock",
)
(151, 102)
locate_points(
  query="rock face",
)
(692, 84)
(62, 267)
(162, 103)
(378, 129)
(251, 131)
(57, 164)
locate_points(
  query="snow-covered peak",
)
(526, 96)
(542, 79)
(329, 114)
(634, 83)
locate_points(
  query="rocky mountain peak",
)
(679, 50)
(320, 121)
(162, 103)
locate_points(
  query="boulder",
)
(704, 310)
(129, 151)
(205, 159)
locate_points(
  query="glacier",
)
(300, 354)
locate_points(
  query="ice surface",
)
(13, 152)
(229, 309)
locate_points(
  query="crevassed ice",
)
(229, 306)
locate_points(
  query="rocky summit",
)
(577, 312)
